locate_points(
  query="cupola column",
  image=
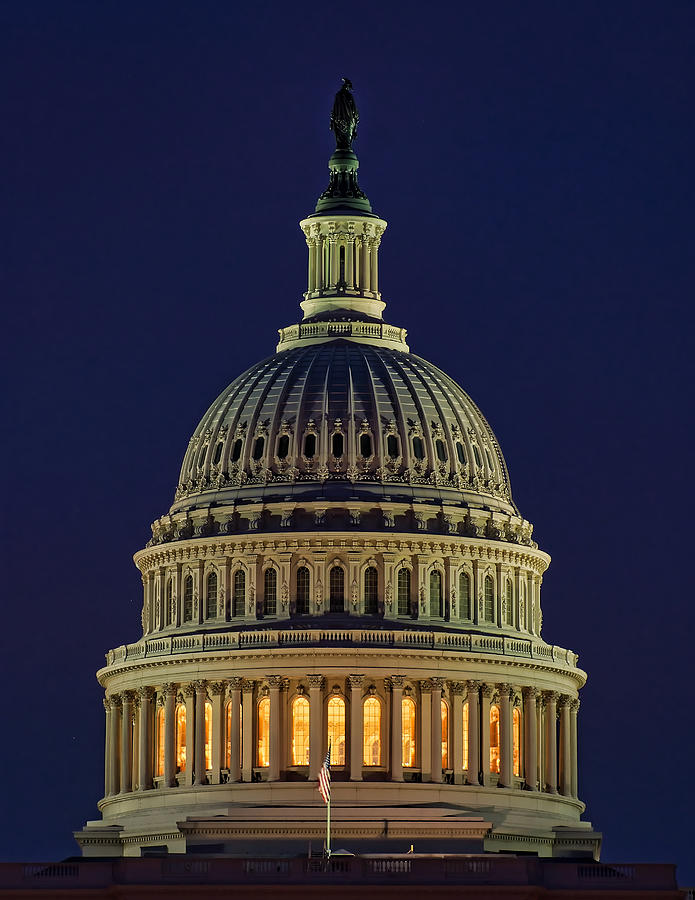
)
(565, 747)
(115, 706)
(456, 689)
(217, 689)
(551, 742)
(275, 682)
(127, 742)
(486, 696)
(473, 732)
(189, 694)
(169, 734)
(397, 727)
(374, 278)
(356, 727)
(145, 739)
(365, 266)
(199, 761)
(574, 709)
(316, 751)
(531, 739)
(437, 685)
(426, 729)
(247, 755)
(505, 779)
(234, 736)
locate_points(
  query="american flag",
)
(325, 778)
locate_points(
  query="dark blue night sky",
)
(534, 162)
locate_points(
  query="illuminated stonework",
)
(343, 563)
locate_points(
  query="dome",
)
(344, 420)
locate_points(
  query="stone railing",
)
(380, 330)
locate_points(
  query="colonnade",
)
(244, 730)
(343, 256)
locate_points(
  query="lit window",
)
(408, 731)
(336, 585)
(188, 598)
(403, 586)
(302, 591)
(160, 741)
(211, 596)
(300, 732)
(263, 754)
(371, 597)
(465, 735)
(465, 595)
(239, 593)
(270, 592)
(372, 732)
(336, 730)
(445, 735)
(436, 595)
(494, 739)
(180, 738)
(516, 741)
(509, 597)
(489, 600)
(208, 736)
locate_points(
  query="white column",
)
(437, 685)
(199, 776)
(456, 689)
(396, 682)
(249, 726)
(473, 732)
(169, 734)
(530, 739)
(318, 239)
(574, 709)
(217, 689)
(350, 261)
(426, 729)
(126, 742)
(145, 734)
(356, 726)
(234, 737)
(275, 682)
(366, 266)
(316, 751)
(505, 779)
(550, 742)
(374, 247)
(333, 251)
(486, 695)
(565, 747)
(107, 748)
(189, 695)
(135, 746)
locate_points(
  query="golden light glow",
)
(408, 731)
(445, 735)
(465, 735)
(371, 755)
(208, 736)
(160, 742)
(180, 738)
(300, 732)
(336, 730)
(494, 739)
(263, 751)
(516, 741)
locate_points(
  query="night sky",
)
(534, 162)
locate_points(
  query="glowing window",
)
(168, 614)
(489, 600)
(445, 735)
(236, 450)
(372, 732)
(239, 593)
(180, 738)
(300, 732)
(365, 445)
(436, 595)
(465, 735)
(160, 742)
(302, 591)
(263, 750)
(218, 453)
(371, 594)
(336, 586)
(310, 446)
(516, 741)
(403, 588)
(336, 730)
(283, 446)
(408, 731)
(418, 448)
(188, 598)
(465, 595)
(211, 596)
(392, 446)
(337, 445)
(441, 450)
(208, 736)
(509, 597)
(494, 739)
(258, 448)
(270, 592)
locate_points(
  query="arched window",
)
(300, 731)
(188, 598)
(263, 748)
(302, 591)
(418, 448)
(336, 730)
(337, 445)
(465, 595)
(159, 756)
(371, 593)
(239, 598)
(494, 739)
(169, 594)
(371, 755)
(465, 736)
(408, 731)
(336, 586)
(208, 735)
(488, 600)
(283, 446)
(509, 597)
(270, 592)
(516, 741)
(445, 735)
(180, 738)
(211, 596)
(365, 445)
(436, 595)
(403, 589)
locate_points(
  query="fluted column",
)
(356, 727)
(169, 734)
(397, 727)
(135, 743)
(199, 776)
(426, 729)
(486, 696)
(374, 247)
(473, 732)
(316, 751)
(107, 747)
(217, 689)
(540, 740)
(550, 742)
(565, 747)
(530, 739)
(126, 742)
(437, 686)
(234, 736)
(247, 756)
(333, 252)
(456, 689)
(574, 709)
(366, 267)
(505, 779)
(275, 682)
(189, 695)
(145, 742)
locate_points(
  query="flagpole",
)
(328, 828)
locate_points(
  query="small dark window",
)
(236, 450)
(337, 445)
(283, 446)
(302, 591)
(461, 453)
(336, 585)
(418, 448)
(403, 592)
(365, 446)
(218, 453)
(211, 596)
(188, 599)
(392, 446)
(310, 446)
(436, 595)
(239, 593)
(489, 459)
(476, 453)
(441, 451)
(270, 592)
(371, 591)
(169, 613)
(258, 448)
(201, 455)
(464, 596)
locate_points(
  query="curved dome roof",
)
(343, 420)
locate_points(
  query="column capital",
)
(247, 685)
(551, 696)
(274, 681)
(200, 686)
(438, 683)
(457, 687)
(235, 683)
(315, 681)
(487, 690)
(504, 689)
(145, 693)
(189, 689)
(473, 685)
(170, 689)
(217, 688)
(575, 704)
(530, 693)
(127, 697)
(564, 700)
(396, 682)
(356, 681)
(114, 701)
(426, 686)
(107, 705)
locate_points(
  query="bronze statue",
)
(344, 117)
